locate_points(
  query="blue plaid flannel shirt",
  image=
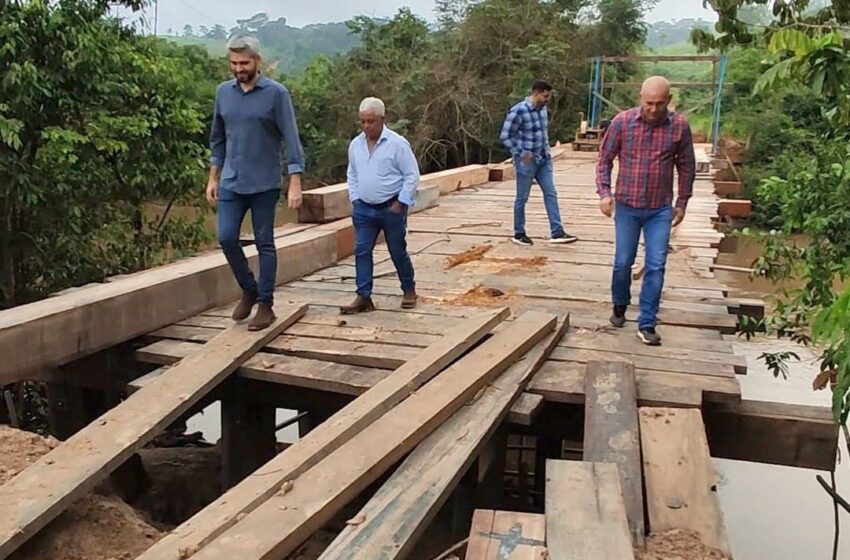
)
(526, 130)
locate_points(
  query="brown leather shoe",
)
(243, 309)
(408, 301)
(265, 316)
(360, 305)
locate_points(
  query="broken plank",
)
(47, 487)
(611, 433)
(506, 535)
(280, 524)
(526, 408)
(775, 433)
(681, 484)
(328, 436)
(585, 515)
(404, 506)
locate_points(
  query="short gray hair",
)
(244, 44)
(373, 104)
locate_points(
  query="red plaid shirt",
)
(647, 153)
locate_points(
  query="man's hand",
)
(212, 192)
(606, 205)
(397, 207)
(294, 195)
(527, 157)
(678, 216)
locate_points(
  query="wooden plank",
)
(564, 382)
(506, 535)
(327, 437)
(735, 208)
(364, 354)
(526, 408)
(585, 515)
(330, 203)
(681, 485)
(774, 433)
(611, 434)
(280, 524)
(60, 329)
(645, 362)
(47, 487)
(398, 514)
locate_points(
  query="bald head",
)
(655, 98)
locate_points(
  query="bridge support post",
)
(247, 434)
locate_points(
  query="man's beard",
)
(246, 76)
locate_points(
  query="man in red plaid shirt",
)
(649, 142)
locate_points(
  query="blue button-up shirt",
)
(391, 169)
(247, 134)
(526, 131)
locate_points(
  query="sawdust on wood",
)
(678, 545)
(474, 253)
(481, 296)
(96, 527)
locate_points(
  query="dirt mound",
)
(678, 545)
(474, 253)
(97, 527)
(481, 296)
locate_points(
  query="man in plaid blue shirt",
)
(526, 135)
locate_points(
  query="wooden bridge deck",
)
(464, 260)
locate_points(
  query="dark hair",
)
(540, 85)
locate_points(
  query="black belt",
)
(381, 205)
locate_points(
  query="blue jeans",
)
(655, 224)
(369, 222)
(231, 211)
(526, 173)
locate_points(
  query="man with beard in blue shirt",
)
(253, 119)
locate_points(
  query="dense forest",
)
(103, 131)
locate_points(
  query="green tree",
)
(97, 125)
(811, 53)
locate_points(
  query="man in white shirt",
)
(383, 176)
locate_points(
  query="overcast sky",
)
(177, 13)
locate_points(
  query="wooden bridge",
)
(504, 400)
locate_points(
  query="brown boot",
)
(408, 301)
(360, 305)
(243, 309)
(263, 319)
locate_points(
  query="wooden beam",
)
(774, 433)
(506, 535)
(682, 85)
(328, 436)
(728, 188)
(60, 329)
(585, 514)
(47, 487)
(611, 433)
(248, 437)
(407, 503)
(500, 172)
(681, 484)
(525, 409)
(735, 208)
(279, 525)
(663, 58)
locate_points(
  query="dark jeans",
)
(369, 222)
(526, 173)
(231, 211)
(655, 224)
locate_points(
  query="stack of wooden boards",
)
(457, 390)
(594, 508)
(422, 403)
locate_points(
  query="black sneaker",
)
(618, 317)
(563, 237)
(522, 239)
(649, 337)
